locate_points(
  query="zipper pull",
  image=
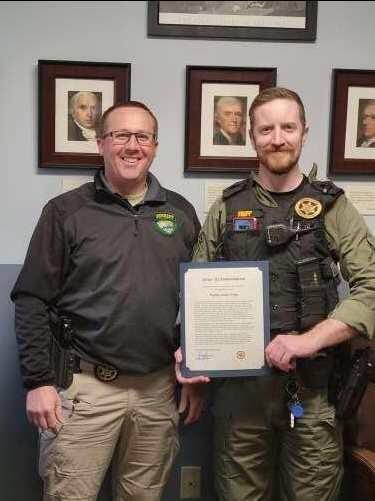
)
(135, 233)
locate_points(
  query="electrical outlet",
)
(190, 482)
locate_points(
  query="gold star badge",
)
(308, 208)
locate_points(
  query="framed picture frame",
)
(287, 21)
(72, 96)
(352, 148)
(217, 123)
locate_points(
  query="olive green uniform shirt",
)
(348, 238)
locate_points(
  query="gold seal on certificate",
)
(225, 318)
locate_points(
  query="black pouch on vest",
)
(312, 299)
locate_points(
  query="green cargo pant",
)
(258, 457)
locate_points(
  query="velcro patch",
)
(165, 223)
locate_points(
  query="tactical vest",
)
(303, 273)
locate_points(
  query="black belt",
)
(104, 373)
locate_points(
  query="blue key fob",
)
(296, 410)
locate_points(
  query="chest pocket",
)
(243, 239)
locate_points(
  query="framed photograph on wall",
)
(352, 122)
(217, 123)
(72, 97)
(288, 21)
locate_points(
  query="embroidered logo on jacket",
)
(165, 223)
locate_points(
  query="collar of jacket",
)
(155, 192)
(265, 197)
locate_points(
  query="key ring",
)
(292, 387)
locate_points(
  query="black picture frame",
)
(243, 79)
(155, 28)
(92, 77)
(353, 90)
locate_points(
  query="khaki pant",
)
(132, 420)
(259, 458)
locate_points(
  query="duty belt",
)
(104, 373)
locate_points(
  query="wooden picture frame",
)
(352, 148)
(285, 21)
(72, 96)
(209, 90)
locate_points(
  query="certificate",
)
(225, 321)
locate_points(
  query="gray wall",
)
(17, 440)
(116, 31)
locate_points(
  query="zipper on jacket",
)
(135, 233)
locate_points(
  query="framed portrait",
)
(217, 119)
(72, 97)
(352, 122)
(288, 21)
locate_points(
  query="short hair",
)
(100, 127)
(228, 100)
(73, 100)
(370, 102)
(272, 93)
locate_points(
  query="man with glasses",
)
(105, 256)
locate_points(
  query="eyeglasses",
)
(123, 137)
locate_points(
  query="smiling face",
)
(126, 166)
(278, 135)
(368, 121)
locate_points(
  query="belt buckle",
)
(106, 374)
